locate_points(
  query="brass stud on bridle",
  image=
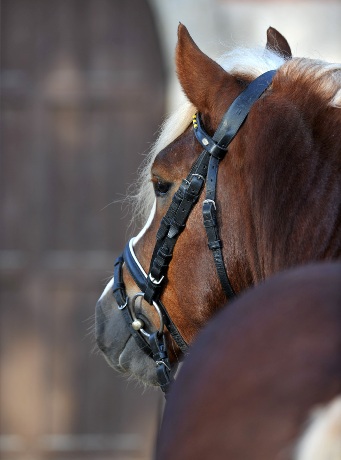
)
(195, 123)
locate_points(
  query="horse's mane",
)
(316, 75)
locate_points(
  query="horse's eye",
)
(161, 187)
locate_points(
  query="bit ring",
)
(135, 319)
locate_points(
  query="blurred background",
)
(85, 85)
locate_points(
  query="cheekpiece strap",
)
(172, 225)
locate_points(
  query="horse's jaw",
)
(119, 346)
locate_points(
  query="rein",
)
(151, 285)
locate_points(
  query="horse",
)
(256, 372)
(242, 183)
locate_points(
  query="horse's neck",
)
(287, 211)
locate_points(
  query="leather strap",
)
(160, 356)
(240, 108)
(215, 245)
(209, 209)
(217, 147)
(140, 279)
(138, 276)
(173, 224)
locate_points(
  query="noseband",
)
(151, 285)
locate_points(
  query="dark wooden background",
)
(82, 96)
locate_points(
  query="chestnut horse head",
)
(261, 162)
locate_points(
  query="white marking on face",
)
(132, 243)
(132, 252)
(108, 288)
(147, 225)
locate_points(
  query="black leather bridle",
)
(151, 285)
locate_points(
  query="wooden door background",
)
(82, 96)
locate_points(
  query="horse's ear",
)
(277, 43)
(200, 77)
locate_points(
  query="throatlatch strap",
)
(215, 245)
(209, 211)
(217, 147)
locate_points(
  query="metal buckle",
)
(199, 176)
(121, 307)
(155, 281)
(160, 363)
(210, 201)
